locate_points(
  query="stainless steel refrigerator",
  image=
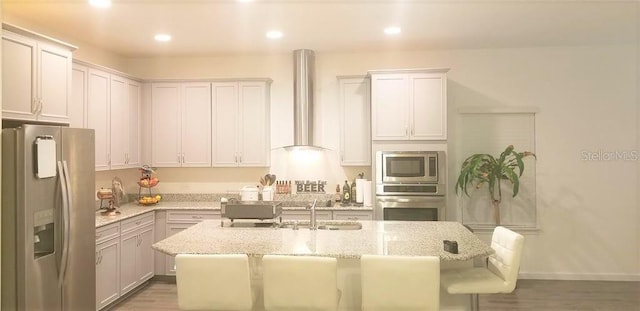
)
(48, 219)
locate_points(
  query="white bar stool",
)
(213, 282)
(498, 276)
(400, 283)
(300, 283)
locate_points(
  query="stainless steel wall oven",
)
(410, 185)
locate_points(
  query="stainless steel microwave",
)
(410, 167)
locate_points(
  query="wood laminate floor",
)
(530, 295)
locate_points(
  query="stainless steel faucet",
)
(313, 216)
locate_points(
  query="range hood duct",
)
(303, 83)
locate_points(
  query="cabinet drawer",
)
(107, 232)
(352, 215)
(136, 222)
(191, 216)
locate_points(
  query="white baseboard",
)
(581, 276)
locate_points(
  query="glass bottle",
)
(346, 193)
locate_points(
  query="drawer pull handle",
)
(196, 217)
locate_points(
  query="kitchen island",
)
(410, 238)
(419, 238)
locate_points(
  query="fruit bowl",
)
(148, 182)
(149, 200)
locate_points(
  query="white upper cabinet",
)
(98, 115)
(37, 83)
(78, 106)
(181, 124)
(409, 104)
(241, 123)
(134, 90)
(118, 122)
(113, 112)
(124, 129)
(355, 116)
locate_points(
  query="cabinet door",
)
(428, 97)
(171, 260)
(98, 115)
(78, 105)
(19, 72)
(107, 272)
(128, 275)
(355, 125)
(165, 125)
(196, 125)
(145, 255)
(119, 122)
(390, 106)
(54, 83)
(225, 123)
(134, 90)
(253, 112)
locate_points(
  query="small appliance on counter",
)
(249, 193)
(110, 199)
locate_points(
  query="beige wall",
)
(587, 101)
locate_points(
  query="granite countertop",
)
(410, 238)
(133, 209)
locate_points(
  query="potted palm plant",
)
(479, 169)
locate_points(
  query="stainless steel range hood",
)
(303, 83)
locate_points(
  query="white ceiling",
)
(213, 27)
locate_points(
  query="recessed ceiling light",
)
(393, 30)
(162, 37)
(100, 3)
(274, 34)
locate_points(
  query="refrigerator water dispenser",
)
(43, 233)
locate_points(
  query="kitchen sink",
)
(351, 225)
(341, 226)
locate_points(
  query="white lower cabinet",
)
(136, 257)
(124, 257)
(107, 265)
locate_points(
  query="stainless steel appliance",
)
(415, 172)
(48, 219)
(410, 185)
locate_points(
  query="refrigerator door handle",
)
(66, 204)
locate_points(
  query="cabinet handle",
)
(179, 159)
(183, 158)
(108, 158)
(126, 158)
(97, 258)
(240, 159)
(138, 222)
(235, 158)
(406, 131)
(196, 217)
